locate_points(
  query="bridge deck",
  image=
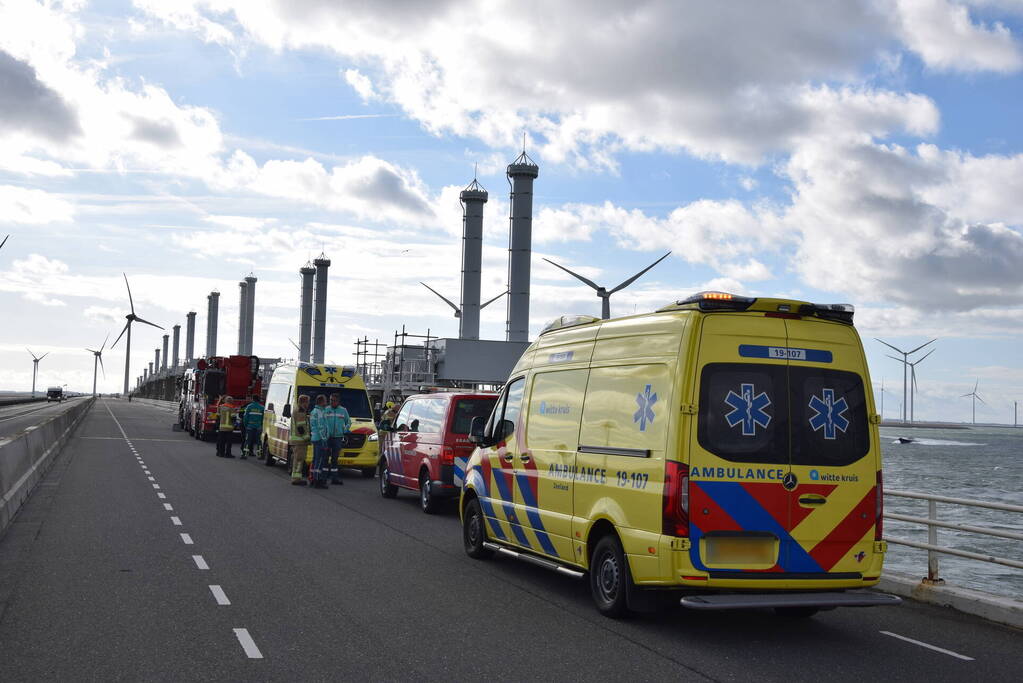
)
(96, 582)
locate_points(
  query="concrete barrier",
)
(998, 608)
(25, 457)
(157, 403)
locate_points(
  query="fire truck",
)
(211, 379)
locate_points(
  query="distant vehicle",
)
(202, 387)
(297, 379)
(903, 439)
(427, 446)
(723, 447)
(55, 394)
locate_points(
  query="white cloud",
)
(946, 38)
(32, 207)
(360, 83)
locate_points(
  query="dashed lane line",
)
(929, 646)
(200, 562)
(186, 539)
(247, 643)
(168, 507)
(161, 495)
(176, 521)
(219, 595)
(156, 486)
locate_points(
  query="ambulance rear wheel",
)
(474, 531)
(267, 455)
(387, 489)
(609, 577)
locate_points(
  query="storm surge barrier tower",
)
(473, 197)
(521, 174)
(305, 313)
(320, 308)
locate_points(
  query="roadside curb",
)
(988, 606)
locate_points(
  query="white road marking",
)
(176, 521)
(168, 507)
(219, 595)
(200, 562)
(928, 646)
(161, 495)
(151, 478)
(249, 645)
(187, 539)
(156, 486)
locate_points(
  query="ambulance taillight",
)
(878, 508)
(675, 499)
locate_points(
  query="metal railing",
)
(933, 524)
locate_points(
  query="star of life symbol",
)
(829, 413)
(748, 409)
(645, 414)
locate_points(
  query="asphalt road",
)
(15, 419)
(97, 582)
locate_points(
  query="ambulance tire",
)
(429, 502)
(474, 531)
(610, 579)
(796, 612)
(387, 489)
(267, 455)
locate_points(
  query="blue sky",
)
(865, 152)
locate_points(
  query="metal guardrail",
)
(933, 524)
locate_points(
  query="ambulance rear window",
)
(829, 408)
(744, 413)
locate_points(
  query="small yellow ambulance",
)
(292, 380)
(722, 450)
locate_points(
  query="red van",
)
(427, 446)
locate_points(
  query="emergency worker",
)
(338, 425)
(252, 426)
(298, 437)
(319, 433)
(225, 427)
(388, 418)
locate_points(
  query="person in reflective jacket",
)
(319, 431)
(338, 426)
(252, 426)
(299, 437)
(225, 427)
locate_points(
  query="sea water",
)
(978, 463)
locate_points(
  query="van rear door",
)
(833, 453)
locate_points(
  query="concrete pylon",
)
(212, 320)
(189, 336)
(473, 198)
(146, 372)
(521, 174)
(320, 308)
(305, 313)
(250, 313)
(243, 310)
(176, 345)
(166, 344)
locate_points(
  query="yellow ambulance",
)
(722, 451)
(292, 380)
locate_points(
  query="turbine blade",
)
(924, 357)
(889, 345)
(921, 346)
(975, 385)
(105, 343)
(901, 360)
(125, 329)
(44, 355)
(101, 367)
(575, 275)
(90, 351)
(140, 320)
(913, 373)
(30, 353)
(297, 348)
(482, 306)
(5, 241)
(965, 395)
(131, 302)
(443, 298)
(638, 275)
(981, 400)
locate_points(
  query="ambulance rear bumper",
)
(761, 600)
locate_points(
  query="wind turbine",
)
(975, 399)
(131, 318)
(35, 367)
(5, 241)
(602, 292)
(458, 310)
(98, 360)
(905, 362)
(912, 382)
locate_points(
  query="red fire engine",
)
(203, 387)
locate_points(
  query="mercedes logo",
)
(789, 481)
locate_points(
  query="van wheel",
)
(368, 472)
(609, 577)
(474, 531)
(796, 612)
(267, 455)
(427, 500)
(387, 489)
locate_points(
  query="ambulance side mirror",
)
(476, 428)
(286, 410)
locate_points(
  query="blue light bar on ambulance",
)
(568, 321)
(718, 301)
(841, 313)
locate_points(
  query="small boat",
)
(903, 439)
